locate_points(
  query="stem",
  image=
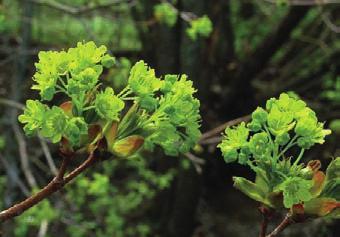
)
(128, 98)
(61, 89)
(60, 175)
(299, 157)
(266, 215)
(102, 133)
(275, 148)
(283, 225)
(89, 107)
(55, 185)
(289, 145)
(126, 91)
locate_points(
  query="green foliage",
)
(143, 83)
(263, 144)
(164, 112)
(3, 181)
(119, 73)
(177, 109)
(33, 218)
(76, 128)
(108, 106)
(65, 29)
(55, 124)
(332, 90)
(201, 26)
(165, 13)
(235, 140)
(2, 22)
(119, 204)
(331, 186)
(259, 19)
(33, 117)
(295, 190)
(334, 125)
(2, 143)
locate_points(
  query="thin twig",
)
(329, 23)
(80, 10)
(196, 161)
(43, 144)
(54, 186)
(266, 216)
(211, 140)
(62, 169)
(185, 16)
(48, 156)
(43, 228)
(223, 126)
(11, 103)
(24, 156)
(283, 225)
(14, 176)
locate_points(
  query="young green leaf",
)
(201, 26)
(295, 190)
(234, 139)
(165, 13)
(108, 106)
(33, 117)
(55, 124)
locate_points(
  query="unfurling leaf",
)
(127, 146)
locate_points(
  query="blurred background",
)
(238, 53)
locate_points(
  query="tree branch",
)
(79, 10)
(266, 216)
(24, 160)
(48, 156)
(222, 127)
(256, 62)
(283, 225)
(306, 2)
(55, 185)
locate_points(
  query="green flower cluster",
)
(52, 123)
(175, 123)
(263, 144)
(170, 116)
(201, 26)
(73, 72)
(165, 13)
(163, 112)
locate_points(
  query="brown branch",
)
(306, 2)
(62, 170)
(266, 217)
(55, 185)
(326, 19)
(272, 42)
(222, 127)
(283, 225)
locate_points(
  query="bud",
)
(282, 138)
(111, 134)
(108, 61)
(127, 146)
(67, 108)
(260, 115)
